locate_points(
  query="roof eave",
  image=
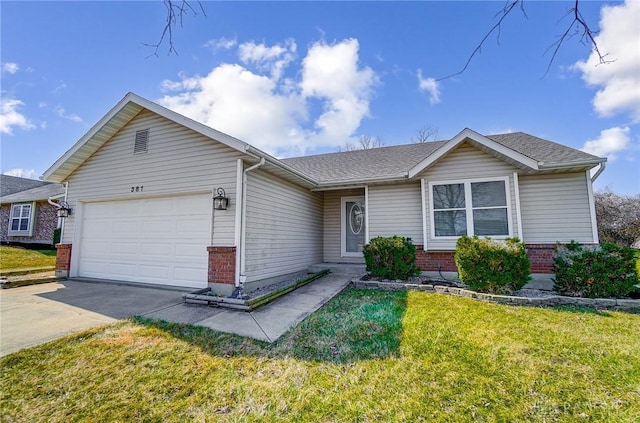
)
(477, 138)
(352, 183)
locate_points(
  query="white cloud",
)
(273, 59)
(10, 117)
(221, 43)
(257, 104)
(429, 85)
(610, 142)
(10, 67)
(22, 173)
(618, 81)
(60, 87)
(60, 111)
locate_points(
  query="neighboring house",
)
(26, 217)
(141, 183)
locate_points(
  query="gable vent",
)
(142, 141)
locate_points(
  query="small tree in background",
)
(618, 218)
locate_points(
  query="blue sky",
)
(298, 78)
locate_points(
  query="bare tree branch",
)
(425, 134)
(176, 10)
(577, 25)
(365, 142)
(508, 7)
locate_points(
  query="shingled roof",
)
(395, 161)
(13, 184)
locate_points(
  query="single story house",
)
(141, 186)
(26, 216)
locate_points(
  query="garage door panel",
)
(125, 249)
(183, 275)
(123, 227)
(123, 269)
(160, 240)
(155, 272)
(158, 207)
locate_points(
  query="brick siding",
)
(541, 256)
(46, 219)
(222, 264)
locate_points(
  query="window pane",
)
(15, 224)
(448, 196)
(450, 223)
(490, 222)
(24, 225)
(488, 194)
(16, 211)
(26, 211)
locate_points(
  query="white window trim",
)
(29, 231)
(343, 229)
(469, 206)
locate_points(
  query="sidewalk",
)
(267, 323)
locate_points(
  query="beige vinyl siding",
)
(466, 162)
(332, 225)
(178, 160)
(555, 207)
(396, 210)
(284, 227)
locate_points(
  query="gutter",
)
(272, 160)
(592, 163)
(243, 217)
(58, 206)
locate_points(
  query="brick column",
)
(541, 257)
(222, 265)
(63, 260)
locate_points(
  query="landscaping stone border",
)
(206, 296)
(627, 305)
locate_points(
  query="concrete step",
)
(340, 268)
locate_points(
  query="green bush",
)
(497, 267)
(601, 271)
(391, 258)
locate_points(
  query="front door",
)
(353, 226)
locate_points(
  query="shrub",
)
(391, 258)
(601, 271)
(497, 267)
(56, 236)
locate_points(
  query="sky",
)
(299, 78)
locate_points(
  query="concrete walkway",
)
(36, 314)
(267, 323)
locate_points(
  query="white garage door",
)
(158, 240)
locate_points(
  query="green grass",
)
(366, 356)
(13, 258)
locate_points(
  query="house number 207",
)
(137, 189)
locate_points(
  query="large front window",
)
(470, 208)
(21, 219)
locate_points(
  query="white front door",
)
(353, 226)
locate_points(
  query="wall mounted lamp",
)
(220, 201)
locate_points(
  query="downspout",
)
(598, 172)
(58, 206)
(243, 232)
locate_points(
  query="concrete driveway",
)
(35, 314)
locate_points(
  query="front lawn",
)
(14, 258)
(365, 356)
